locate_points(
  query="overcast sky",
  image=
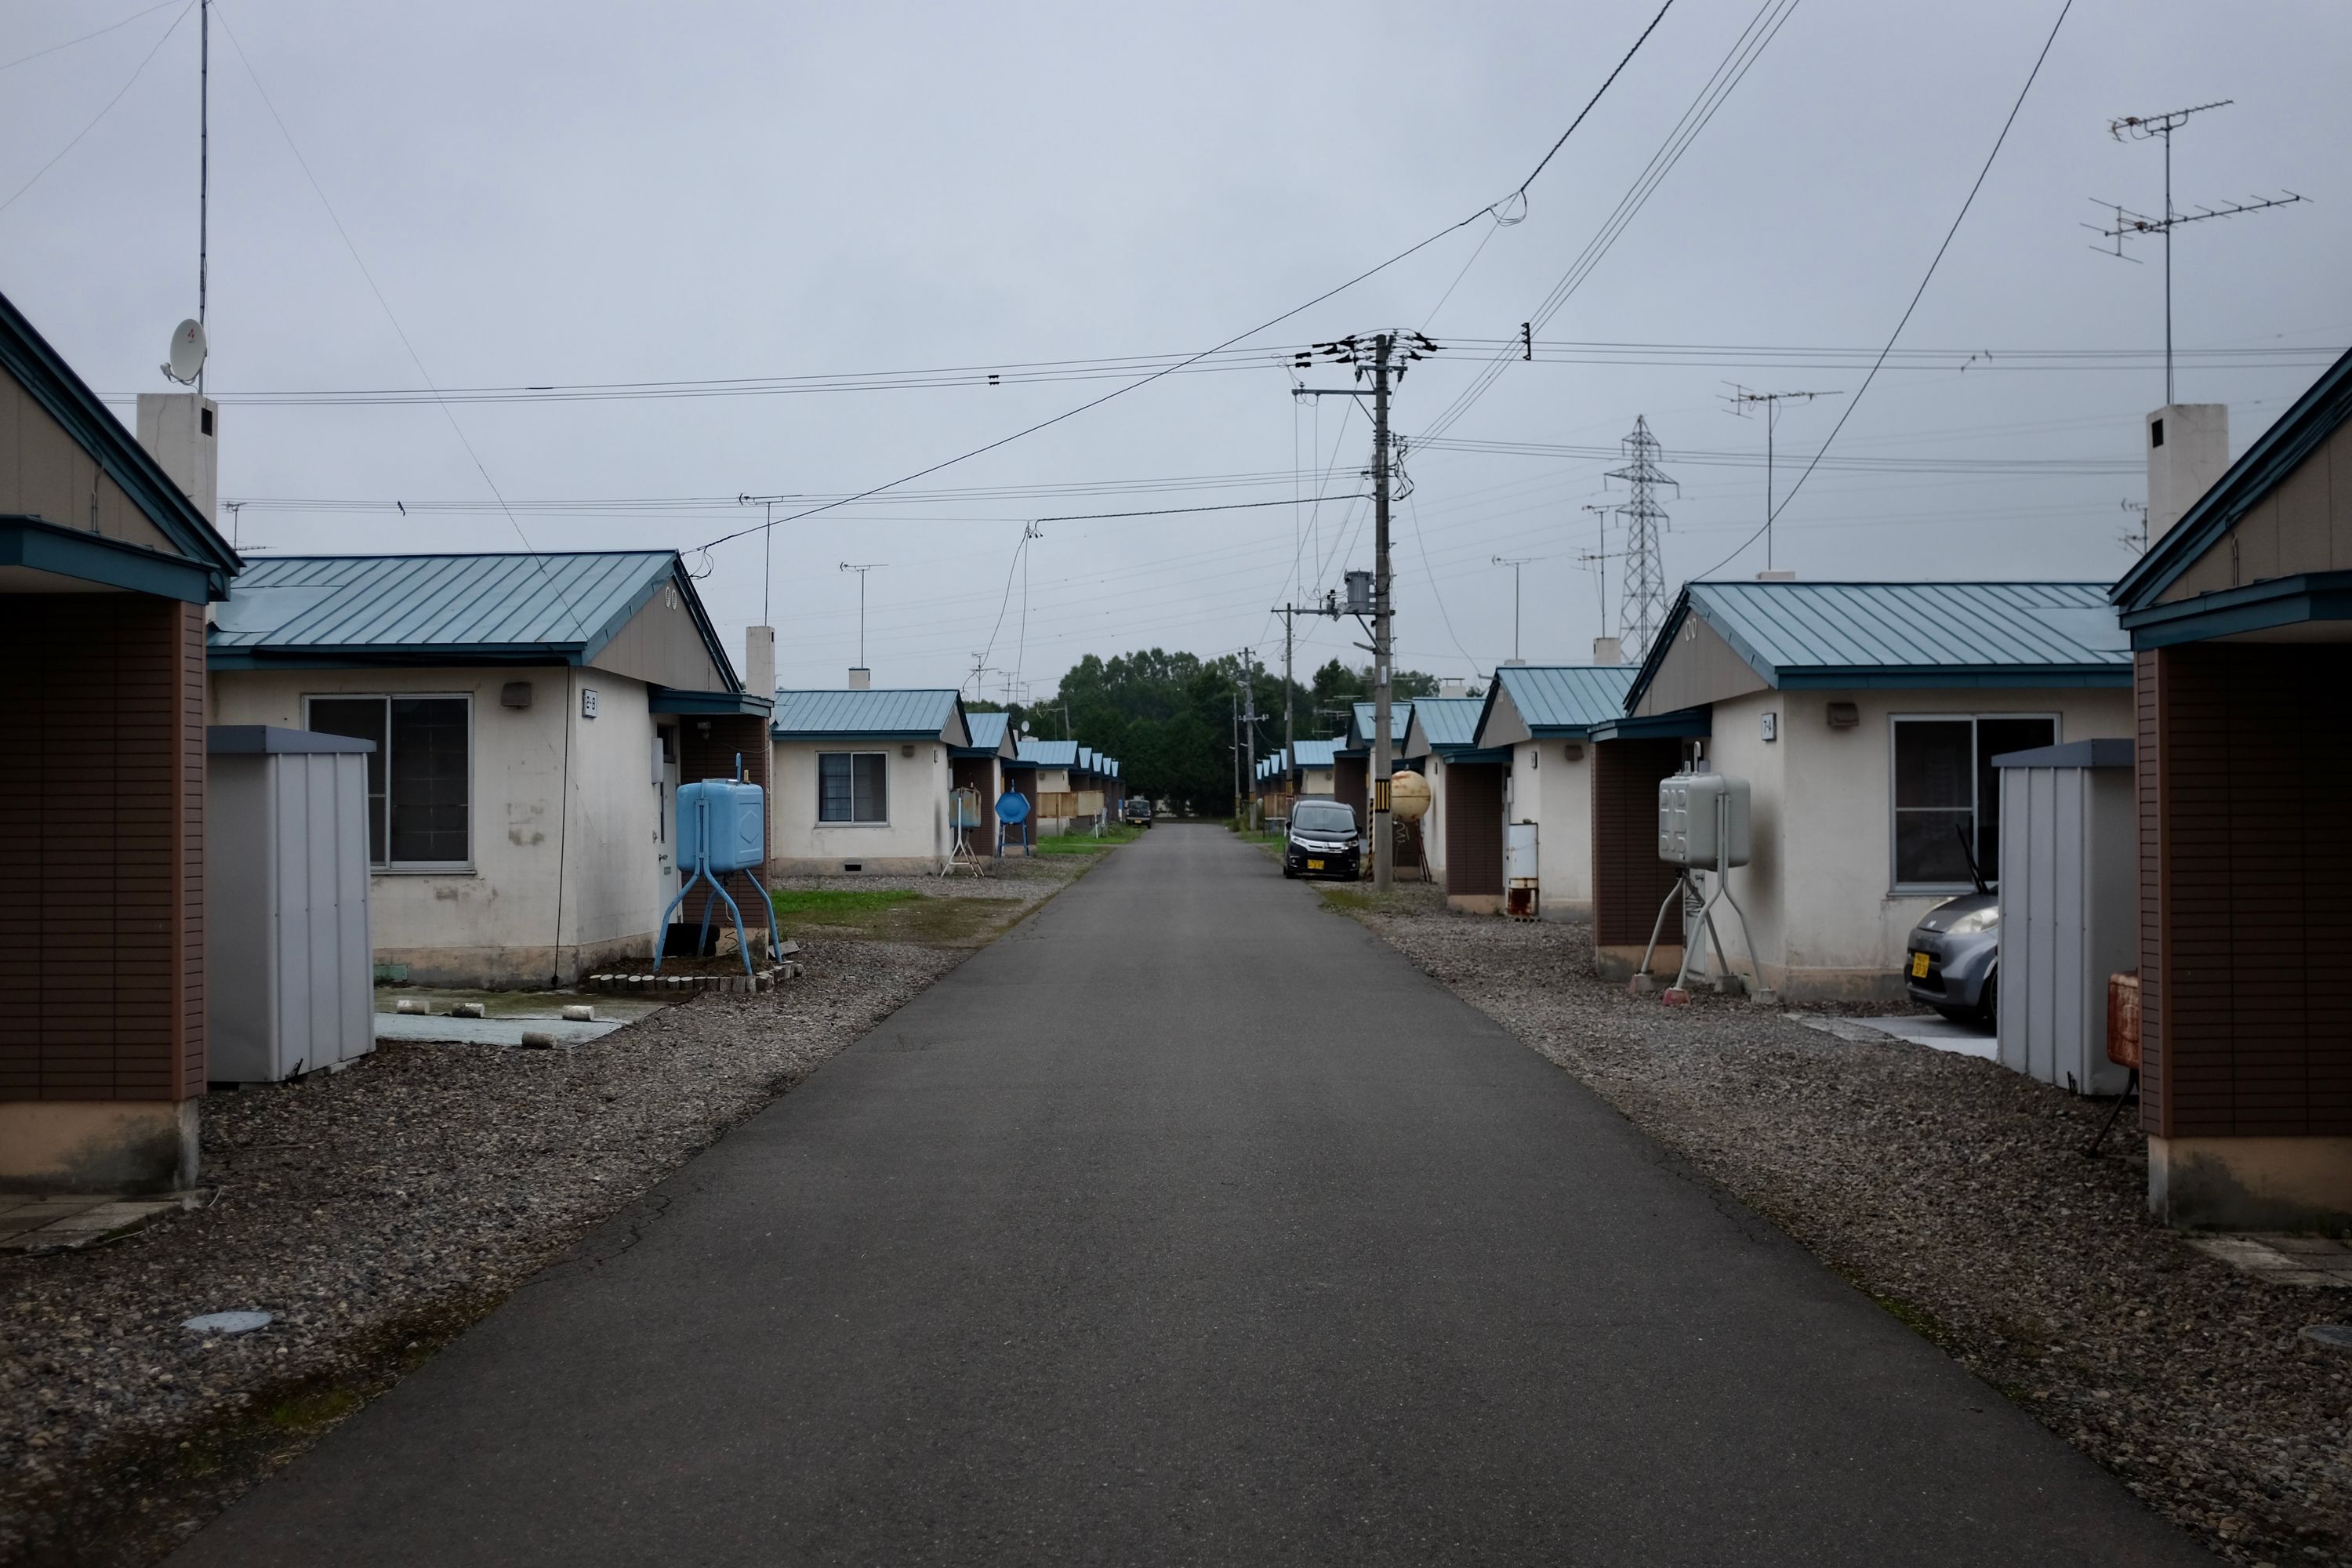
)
(596, 192)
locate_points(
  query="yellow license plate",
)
(1919, 966)
(1315, 864)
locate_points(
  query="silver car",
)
(1953, 962)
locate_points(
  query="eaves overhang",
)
(2233, 612)
(36, 545)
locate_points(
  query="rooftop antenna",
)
(1598, 560)
(2129, 225)
(1740, 399)
(861, 568)
(1514, 562)
(2133, 537)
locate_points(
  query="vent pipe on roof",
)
(1776, 576)
(1608, 650)
(2188, 450)
(861, 680)
(760, 660)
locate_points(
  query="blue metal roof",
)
(1399, 720)
(1558, 699)
(508, 605)
(1050, 753)
(931, 712)
(1448, 723)
(1798, 635)
(1316, 753)
(987, 729)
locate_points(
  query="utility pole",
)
(861, 569)
(1290, 613)
(1385, 359)
(1515, 563)
(1249, 720)
(1740, 398)
(2129, 225)
(1641, 611)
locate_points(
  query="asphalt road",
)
(1189, 1224)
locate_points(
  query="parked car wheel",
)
(1988, 1002)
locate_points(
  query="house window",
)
(1947, 794)
(420, 776)
(850, 786)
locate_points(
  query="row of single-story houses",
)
(1867, 717)
(528, 720)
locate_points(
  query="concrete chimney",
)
(760, 660)
(2188, 450)
(179, 430)
(1608, 650)
(1453, 688)
(861, 680)
(1776, 576)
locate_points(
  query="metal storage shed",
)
(2069, 909)
(286, 895)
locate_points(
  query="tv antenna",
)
(2129, 225)
(861, 568)
(1598, 560)
(767, 545)
(185, 364)
(2133, 536)
(1514, 562)
(1741, 400)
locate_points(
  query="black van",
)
(1323, 840)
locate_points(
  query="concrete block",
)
(1674, 996)
(539, 1039)
(412, 1005)
(469, 1010)
(579, 1014)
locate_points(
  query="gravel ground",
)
(1953, 1193)
(376, 1212)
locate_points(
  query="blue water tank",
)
(734, 815)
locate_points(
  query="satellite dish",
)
(1024, 726)
(188, 350)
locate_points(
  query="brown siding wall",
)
(701, 757)
(2251, 1023)
(974, 774)
(1351, 783)
(2146, 755)
(101, 849)
(1474, 827)
(1629, 880)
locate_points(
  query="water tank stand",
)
(702, 873)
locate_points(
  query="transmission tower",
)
(1642, 607)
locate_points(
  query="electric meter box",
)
(734, 816)
(1691, 808)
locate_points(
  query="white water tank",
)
(289, 982)
(1693, 810)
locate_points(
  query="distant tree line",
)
(1169, 717)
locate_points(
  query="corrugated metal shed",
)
(1050, 753)
(567, 603)
(1555, 699)
(925, 711)
(1913, 634)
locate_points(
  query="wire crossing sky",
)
(656, 261)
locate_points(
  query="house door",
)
(665, 776)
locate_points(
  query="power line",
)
(1856, 402)
(140, 70)
(69, 43)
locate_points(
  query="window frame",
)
(852, 820)
(389, 868)
(1896, 886)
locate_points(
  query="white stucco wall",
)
(1545, 787)
(916, 789)
(1819, 890)
(496, 923)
